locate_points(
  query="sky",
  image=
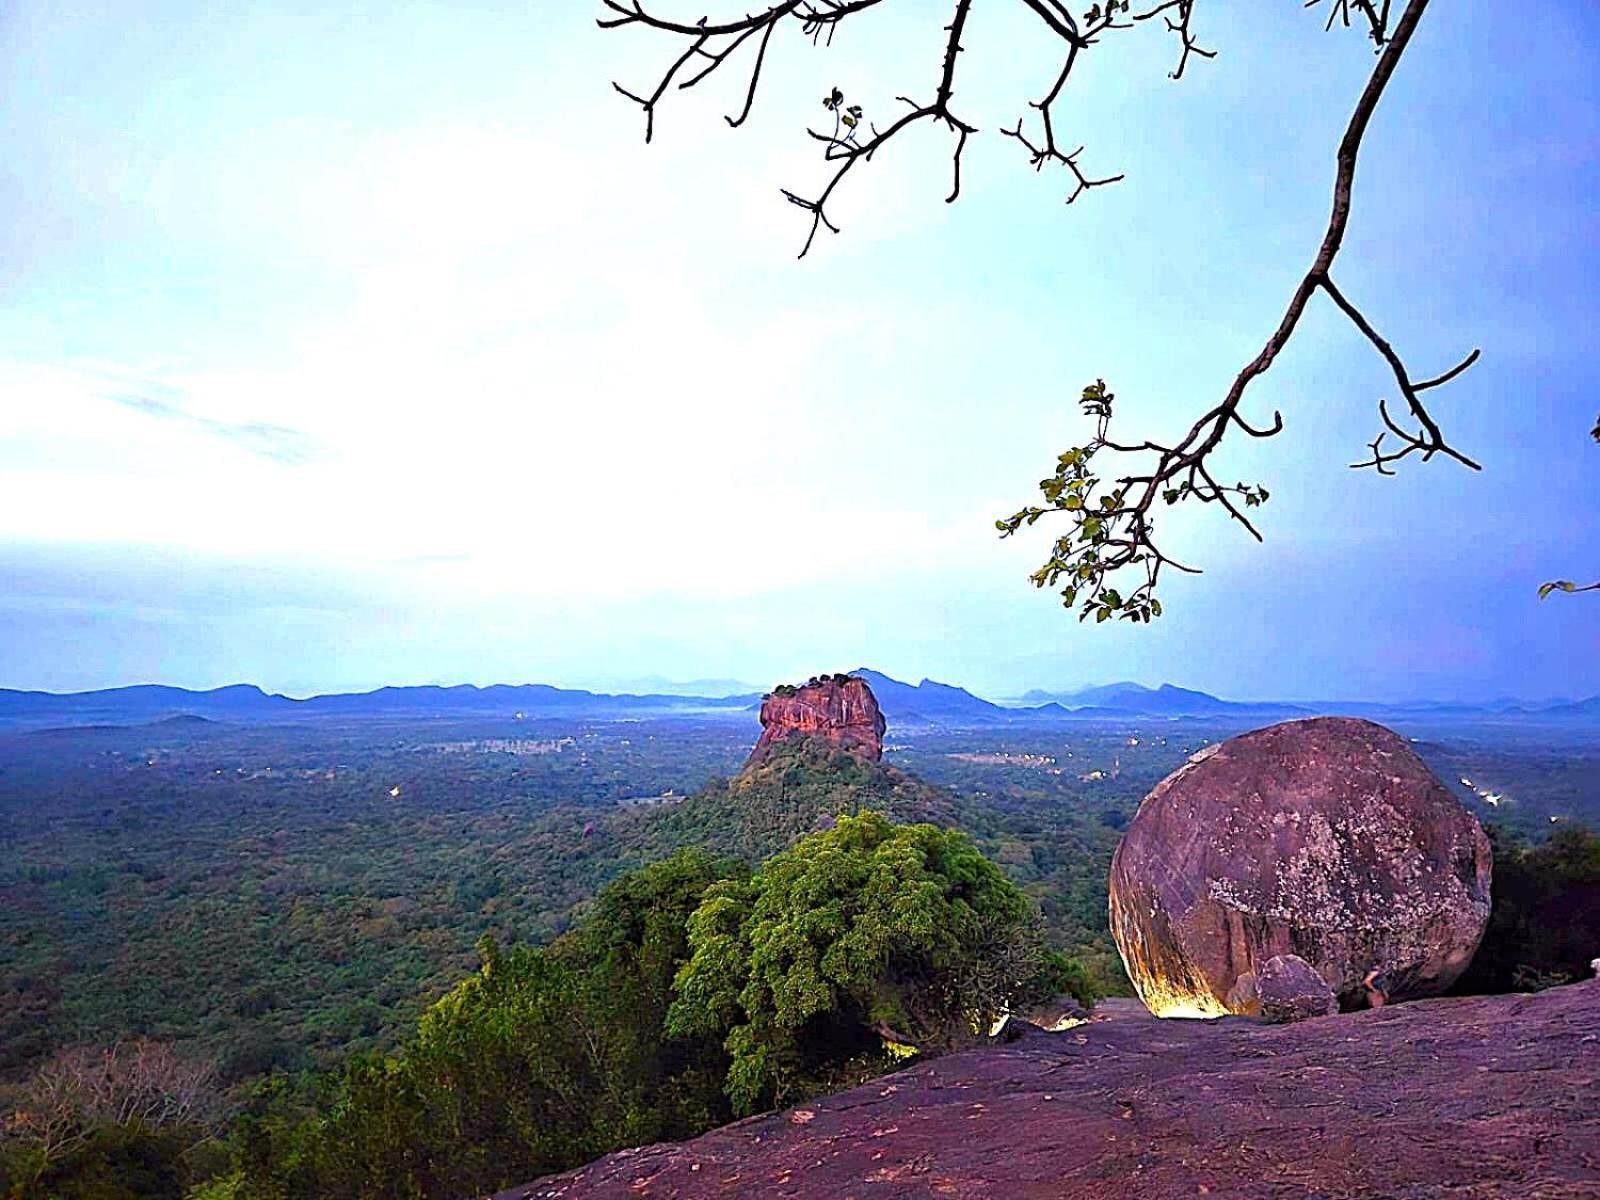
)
(353, 344)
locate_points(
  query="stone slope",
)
(1480, 1097)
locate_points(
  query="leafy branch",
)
(1112, 526)
(1566, 585)
(1109, 506)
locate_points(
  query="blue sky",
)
(343, 345)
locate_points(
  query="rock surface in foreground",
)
(1325, 838)
(841, 712)
(1472, 1098)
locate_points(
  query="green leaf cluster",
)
(834, 103)
(1110, 532)
(1111, 10)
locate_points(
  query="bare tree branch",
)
(132, 1084)
(848, 153)
(1112, 513)
(717, 41)
(1185, 9)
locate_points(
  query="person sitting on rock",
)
(1377, 984)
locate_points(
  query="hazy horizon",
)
(341, 350)
(656, 685)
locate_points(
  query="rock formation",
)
(837, 709)
(1325, 838)
(1475, 1098)
(1287, 989)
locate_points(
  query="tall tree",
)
(857, 943)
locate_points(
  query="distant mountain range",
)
(246, 703)
(659, 685)
(1165, 700)
(1169, 700)
(928, 704)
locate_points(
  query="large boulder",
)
(1325, 838)
(1287, 989)
(837, 709)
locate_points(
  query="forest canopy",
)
(692, 990)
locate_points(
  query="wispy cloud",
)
(280, 443)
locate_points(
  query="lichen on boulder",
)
(1326, 839)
